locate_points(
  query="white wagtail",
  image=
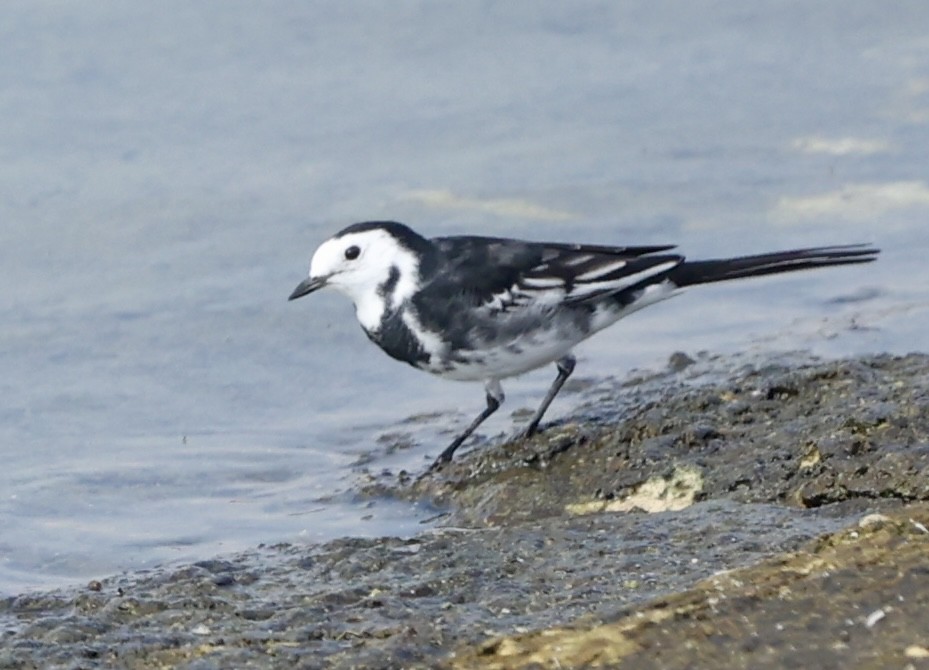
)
(485, 308)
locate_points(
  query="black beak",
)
(307, 286)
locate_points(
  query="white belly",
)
(502, 361)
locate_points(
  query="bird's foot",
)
(428, 472)
(437, 465)
(525, 433)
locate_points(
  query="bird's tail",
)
(689, 273)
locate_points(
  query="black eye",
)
(352, 252)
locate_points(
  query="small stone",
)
(679, 361)
(872, 520)
(916, 651)
(874, 617)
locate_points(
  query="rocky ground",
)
(713, 514)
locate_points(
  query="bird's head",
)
(366, 260)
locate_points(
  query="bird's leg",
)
(565, 367)
(494, 400)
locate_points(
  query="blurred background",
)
(168, 169)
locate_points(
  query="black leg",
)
(494, 400)
(565, 368)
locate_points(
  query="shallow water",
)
(168, 169)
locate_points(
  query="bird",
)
(483, 309)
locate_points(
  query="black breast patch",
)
(398, 341)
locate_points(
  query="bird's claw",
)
(524, 433)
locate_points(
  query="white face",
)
(357, 264)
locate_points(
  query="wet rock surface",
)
(762, 515)
(804, 435)
(854, 599)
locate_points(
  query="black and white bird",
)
(485, 308)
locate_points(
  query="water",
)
(168, 168)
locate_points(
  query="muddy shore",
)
(716, 513)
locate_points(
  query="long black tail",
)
(689, 273)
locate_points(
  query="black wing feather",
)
(485, 268)
(472, 280)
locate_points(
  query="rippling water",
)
(168, 168)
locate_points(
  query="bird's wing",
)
(509, 275)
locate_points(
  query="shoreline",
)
(744, 519)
